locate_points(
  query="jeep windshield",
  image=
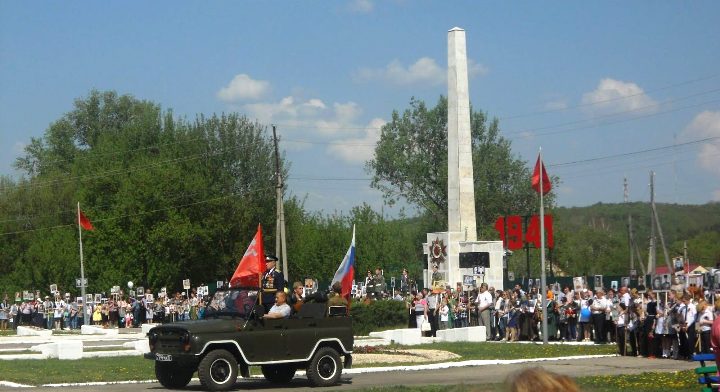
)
(233, 303)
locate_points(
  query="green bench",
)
(707, 374)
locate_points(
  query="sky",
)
(609, 90)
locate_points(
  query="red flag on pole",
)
(252, 264)
(85, 222)
(546, 184)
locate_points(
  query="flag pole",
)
(543, 284)
(82, 270)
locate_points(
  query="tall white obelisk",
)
(446, 249)
(461, 191)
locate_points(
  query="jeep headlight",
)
(185, 340)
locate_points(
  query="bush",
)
(378, 315)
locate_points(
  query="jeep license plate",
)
(163, 357)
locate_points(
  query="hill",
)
(593, 239)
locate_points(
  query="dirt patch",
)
(404, 356)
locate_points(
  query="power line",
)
(634, 152)
(607, 100)
(620, 113)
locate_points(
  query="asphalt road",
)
(469, 375)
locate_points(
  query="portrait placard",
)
(89, 298)
(53, 288)
(79, 301)
(469, 280)
(200, 291)
(220, 284)
(140, 290)
(511, 275)
(578, 284)
(186, 284)
(625, 281)
(132, 294)
(149, 298)
(98, 298)
(598, 282)
(614, 285)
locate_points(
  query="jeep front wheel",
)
(218, 370)
(278, 374)
(172, 376)
(324, 368)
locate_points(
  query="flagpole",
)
(82, 269)
(543, 284)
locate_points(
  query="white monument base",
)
(97, 330)
(33, 331)
(405, 337)
(66, 349)
(147, 327)
(142, 346)
(468, 334)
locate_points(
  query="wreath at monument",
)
(438, 251)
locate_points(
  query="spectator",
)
(706, 319)
(484, 301)
(444, 315)
(599, 308)
(501, 314)
(421, 310)
(552, 316)
(4, 313)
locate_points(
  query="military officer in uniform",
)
(379, 281)
(272, 282)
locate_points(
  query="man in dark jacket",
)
(272, 282)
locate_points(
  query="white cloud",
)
(706, 125)
(716, 195)
(361, 6)
(613, 96)
(424, 71)
(359, 149)
(477, 69)
(243, 87)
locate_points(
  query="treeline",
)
(170, 199)
(173, 199)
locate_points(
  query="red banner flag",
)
(252, 265)
(85, 222)
(546, 184)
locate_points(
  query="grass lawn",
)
(27, 371)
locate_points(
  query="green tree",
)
(410, 163)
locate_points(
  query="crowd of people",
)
(676, 326)
(116, 311)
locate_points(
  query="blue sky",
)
(581, 79)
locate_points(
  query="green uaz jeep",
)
(234, 336)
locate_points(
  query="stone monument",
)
(457, 251)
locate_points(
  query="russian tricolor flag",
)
(346, 272)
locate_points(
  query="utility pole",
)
(656, 219)
(652, 253)
(630, 233)
(280, 244)
(685, 257)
